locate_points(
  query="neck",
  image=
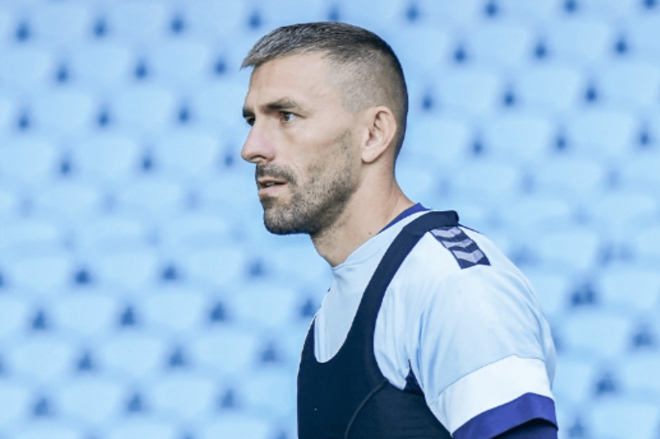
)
(366, 214)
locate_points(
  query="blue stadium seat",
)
(43, 357)
(143, 108)
(226, 350)
(7, 114)
(240, 205)
(214, 266)
(176, 309)
(298, 260)
(518, 136)
(181, 61)
(60, 23)
(631, 287)
(486, 180)
(30, 235)
(581, 41)
(552, 290)
(498, 44)
(63, 112)
(439, 139)
(576, 378)
(392, 14)
(90, 312)
(15, 311)
(218, 105)
(100, 65)
(183, 395)
(133, 269)
(470, 90)
(16, 398)
(602, 132)
(68, 200)
(156, 427)
(568, 177)
(150, 196)
(132, 354)
(623, 418)
(213, 20)
(190, 154)
(601, 333)
(273, 15)
(6, 22)
(570, 249)
(646, 243)
(10, 202)
(644, 34)
(609, 9)
(632, 83)
(109, 231)
(265, 305)
(280, 386)
(639, 172)
(91, 399)
(243, 425)
(26, 69)
(639, 376)
(447, 12)
(553, 87)
(528, 214)
(54, 268)
(48, 429)
(195, 229)
(143, 21)
(28, 160)
(537, 10)
(107, 157)
(419, 183)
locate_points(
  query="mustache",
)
(274, 171)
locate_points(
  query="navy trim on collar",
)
(409, 211)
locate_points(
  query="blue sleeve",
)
(536, 429)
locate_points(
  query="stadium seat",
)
(575, 379)
(156, 427)
(92, 400)
(107, 231)
(42, 358)
(132, 354)
(175, 309)
(25, 69)
(623, 418)
(392, 14)
(639, 172)
(570, 178)
(518, 136)
(186, 230)
(181, 62)
(10, 203)
(16, 398)
(601, 132)
(15, 311)
(538, 10)
(644, 34)
(280, 386)
(434, 42)
(554, 87)
(438, 139)
(610, 8)
(107, 157)
(100, 65)
(299, 260)
(143, 108)
(5, 24)
(264, 305)
(60, 23)
(63, 112)
(69, 201)
(273, 15)
(218, 105)
(448, 13)
(28, 160)
(143, 21)
(189, 154)
(183, 396)
(631, 287)
(212, 20)
(639, 377)
(243, 425)
(55, 268)
(7, 114)
(90, 312)
(581, 41)
(570, 249)
(528, 214)
(134, 269)
(485, 181)
(498, 44)
(226, 350)
(30, 235)
(552, 289)
(646, 243)
(601, 333)
(468, 91)
(48, 429)
(214, 266)
(631, 83)
(420, 184)
(150, 196)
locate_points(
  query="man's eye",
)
(288, 117)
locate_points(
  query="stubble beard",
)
(315, 204)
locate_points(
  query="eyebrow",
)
(271, 107)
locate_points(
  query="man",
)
(427, 331)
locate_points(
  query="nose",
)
(257, 149)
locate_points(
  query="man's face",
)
(301, 142)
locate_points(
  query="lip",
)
(270, 190)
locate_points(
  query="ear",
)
(381, 127)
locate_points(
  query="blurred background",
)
(141, 297)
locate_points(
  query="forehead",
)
(304, 78)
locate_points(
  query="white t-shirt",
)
(460, 317)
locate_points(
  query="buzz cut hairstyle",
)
(373, 74)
